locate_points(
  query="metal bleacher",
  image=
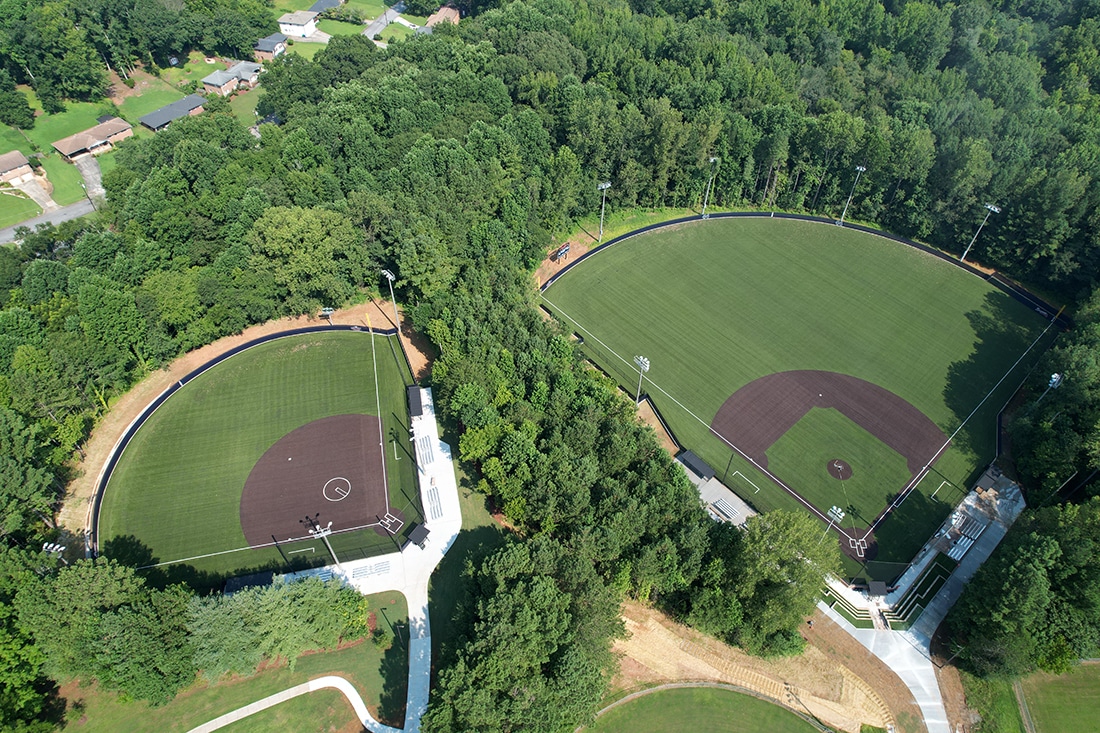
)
(366, 571)
(726, 509)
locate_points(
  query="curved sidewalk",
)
(321, 683)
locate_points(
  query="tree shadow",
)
(905, 530)
(130, 551)
(452, 595)
(1000, 339)
(395, 677)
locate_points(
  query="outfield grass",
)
(1068, 703)
(176, 490)
(715, 305)
(698, 709)
(339, 28)
(381, 678)
(824, 434)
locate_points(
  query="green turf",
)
(339, 28)
(158, 95)
(193, 69)
(715, 305)
(369, 8)
(1068, 703)
(420, 20)
(66, 179)
(381, 678)
(306, 50)
(244, 105)
(12, 139)
(698, 709)
(176, 489)
(14, 209)
(801, 456)
(395, 32)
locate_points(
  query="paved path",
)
(321, 683)
(378, 24)
(65, 213)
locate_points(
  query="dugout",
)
(697, 465)
(416, 402)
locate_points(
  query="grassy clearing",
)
(289, 6)
(176, 490)
(14, 209)
(421, 20)
(995, 702)
(244, 105)
(306, 50)
(193, 69)
(65, 178)
(369, 8)
(825, 434)
(1067, 703)
(698, 709)
(717, 304)
(339, 28)
(161, 94)
(381, 678)
(48, 129)
(395, 32)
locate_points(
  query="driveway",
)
(93, 178)
(37, 194)
(384, 20)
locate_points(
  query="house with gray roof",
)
(161, 118)
(240, 74)
(271, 47)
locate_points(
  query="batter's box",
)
(859, 544)
(391, 523)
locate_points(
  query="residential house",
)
(271, 47)
(94, 140)
(299, 24)
(161, 118)
(240, 74)
(445, 14)
(15, 168)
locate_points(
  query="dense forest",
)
(456, 160)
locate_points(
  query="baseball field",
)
(233, 470)
(812, 366)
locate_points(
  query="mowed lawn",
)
(698, 709)
(380, 676)
(1068, 703)
(715, 305)
(177, 487)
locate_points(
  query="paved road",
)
(65, 213)
(383, 20)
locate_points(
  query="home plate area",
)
(329, 470)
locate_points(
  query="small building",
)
(255, 580)
(240, 74)
(299, 24)
(161, 118)
(445, 14)
(94, 140)
(271, 47)
(416, 403)
(418, 536)
(15, 168)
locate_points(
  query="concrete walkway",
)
(65, 213)
(321, 683)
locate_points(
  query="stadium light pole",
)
(860, 170)
(602, 188)
(989, 209)
(710, 182)
(643, 367)
(389, 279)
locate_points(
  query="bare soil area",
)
(835, 680)
(664, 438)
(75, 513)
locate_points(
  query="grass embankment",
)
(1068, 703)
(698, 709)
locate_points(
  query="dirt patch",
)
(664, 438)
(330, 467)
(839, 469)
(579, 244)
(75, 512)
(835, 679)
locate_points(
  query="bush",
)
(382, 638)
